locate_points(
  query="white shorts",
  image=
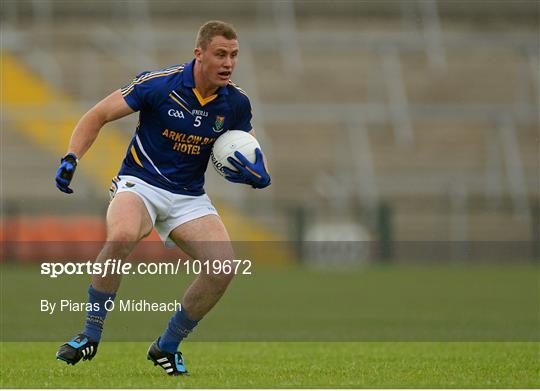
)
(167, 210)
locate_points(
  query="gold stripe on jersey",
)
(180, 103)
(202, 100)
(238, 88)
(129, 88)
(161, 72)
(135, 156)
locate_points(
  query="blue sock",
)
(93, 326)
(178, 329)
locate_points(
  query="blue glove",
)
(65, 172)
(253, 174)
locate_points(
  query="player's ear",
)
(198, 53)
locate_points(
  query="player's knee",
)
(126, 235)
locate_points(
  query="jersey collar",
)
(189, 81)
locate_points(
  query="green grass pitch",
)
(282, 365)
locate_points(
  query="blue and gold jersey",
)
(177, 127)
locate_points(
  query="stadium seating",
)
(309, 114)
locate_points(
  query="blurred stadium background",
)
(390, 121)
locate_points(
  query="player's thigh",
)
(127, 218)
(204, 238)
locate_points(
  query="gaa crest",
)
(218, 125)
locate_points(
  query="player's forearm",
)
(85, 133)
(109, 109)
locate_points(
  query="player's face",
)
(218, 60)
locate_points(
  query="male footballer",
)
(182, 109)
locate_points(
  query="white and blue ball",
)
(230, 142)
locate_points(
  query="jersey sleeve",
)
(139, 94)
(243, 115)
